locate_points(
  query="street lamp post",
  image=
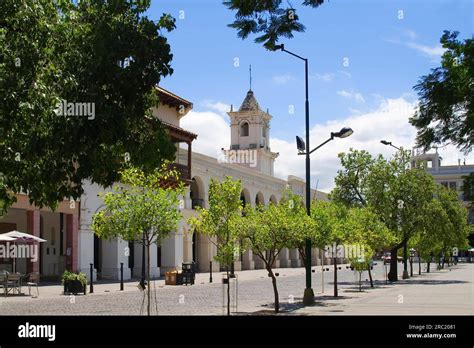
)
(308, 297)
(405, 253)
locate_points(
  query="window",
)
(244, 129)
(452, 185)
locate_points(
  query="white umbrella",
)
(20, 236)
(4, 238)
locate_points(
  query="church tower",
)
(250, 136)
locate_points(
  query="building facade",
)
(71, 243)
(450, 176)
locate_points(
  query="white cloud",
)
(430, 51)
(327, 77)
(281, 79)
(408, 38)
(220, 107)
(351, 95)
(212, 129)
(345, 73)
(388, 121)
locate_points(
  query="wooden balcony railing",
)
(183, 170)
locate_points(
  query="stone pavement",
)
(444, 292)
(440, 292)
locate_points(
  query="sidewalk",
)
(55, 290)
(444, 292)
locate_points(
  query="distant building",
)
(451, 176)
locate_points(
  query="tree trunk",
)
(360, 281)
(411, 269)
(275, 289)
(370, 277)
(148, 279)
(428, 266)
(228, 291)
(393, 273)
(335, 277)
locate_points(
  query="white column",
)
(137, 269)
(247, 260)
(284, 258)
(172, 250)
(295, 258)
(86, 252)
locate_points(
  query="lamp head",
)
(343, 133)
(279, 47)
(385, 142)
(300, 144)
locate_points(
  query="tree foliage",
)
(446, 98)
(267, 230)
(219, 222)
(106, 53)
(273, 19)
(141, 209)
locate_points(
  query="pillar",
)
(284, 258)
(72, 242)
(33, 228)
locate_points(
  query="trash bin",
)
(189, 272)
(170, 277)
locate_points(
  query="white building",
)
(72, 244)
(451, 176)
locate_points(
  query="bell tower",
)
(250, 136)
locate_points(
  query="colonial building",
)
(72, 244)
(451, 176)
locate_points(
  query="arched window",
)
(244, 129)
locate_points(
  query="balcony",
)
(179, 135)
(183, 170)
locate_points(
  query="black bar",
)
(91, 283)
(210, 271)
(121, 276)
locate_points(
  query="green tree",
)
(108, 53)
(267, 230)
(273, 19)
(446, 100)
(366, 231)
(305, 228)
(219, 222)
(397, 194)
(141, 209)
(330, 220)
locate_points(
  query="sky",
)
(364, 59)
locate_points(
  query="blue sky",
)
(388, 44)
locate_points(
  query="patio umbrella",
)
(22, 237)
(25, 236)
(4, 238)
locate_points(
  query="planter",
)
(74, 287)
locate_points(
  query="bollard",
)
(210, 271)
(91, 283)
(121, 276)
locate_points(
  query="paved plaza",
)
(448, 291)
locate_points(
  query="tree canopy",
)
(446, 98)
(108, 55)
(273, 19)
